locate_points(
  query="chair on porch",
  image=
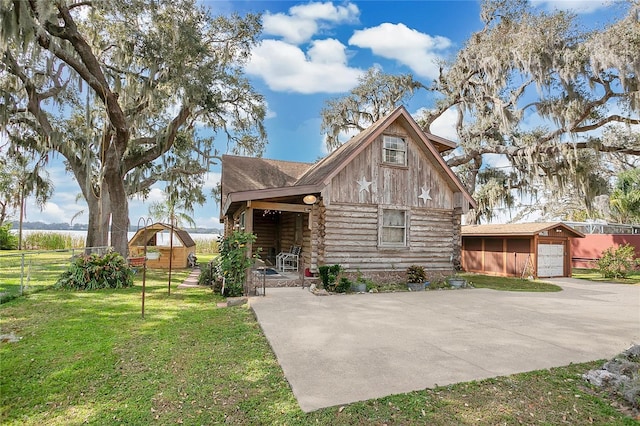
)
(289, 261)
(281, 255)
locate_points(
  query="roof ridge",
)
(269, 159)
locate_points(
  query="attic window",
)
(394, 150)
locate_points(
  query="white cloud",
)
(577, 6)
(211, 180)
(329, 51)
(443, 126)
(403, 44)
(327, 12)
(496, 160)
(286, 68)
(304, 21)
(291, 29)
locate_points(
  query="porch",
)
(280, 227)
(263, 277)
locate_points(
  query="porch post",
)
(248, 227)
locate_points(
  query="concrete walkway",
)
(345, 348)
(191, 280)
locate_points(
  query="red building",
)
(519, 249)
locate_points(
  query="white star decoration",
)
(364, 184)
(425, 194)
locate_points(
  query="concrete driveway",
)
(345, 348)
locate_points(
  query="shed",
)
(541, 249)
(158, 236)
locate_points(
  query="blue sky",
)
(314, 51)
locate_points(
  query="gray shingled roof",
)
(250, 173)
(524, 229)
(138, 237)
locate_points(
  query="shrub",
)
(329, 276)
(617, 262)
(93, 272)
(344, 285)
(211, 275)
(8, 241)
(234, 261)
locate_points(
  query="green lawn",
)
(89, 358)
(594, 275)
(30, 271)
(508, 283)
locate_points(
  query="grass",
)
(594, 275)
(508, 283)
(27, 271)
(89, 358)
(30, 271)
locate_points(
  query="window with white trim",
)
(394, 150)
(393, 229)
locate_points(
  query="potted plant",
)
(153, 253)
(416, 278)
(360, 286)
(457, 281)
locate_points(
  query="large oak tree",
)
(581, 87)
(128, 92)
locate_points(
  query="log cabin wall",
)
(349, 225)
(351, 240)
(265, 228)
(294, 231)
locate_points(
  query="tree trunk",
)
(93, 230)
(104, 212)
(118, 200)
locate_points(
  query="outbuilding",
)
(159, 240)
(541, 249)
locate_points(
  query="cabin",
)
(381, 202)
(158, 239)
(521, 250)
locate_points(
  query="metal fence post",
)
(22, 274)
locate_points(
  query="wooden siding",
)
(497, 255)
(518, 257)
(351, 239)
(178, 260)
(509, 256)
(265, 227)
(290, 236)
(392, 185)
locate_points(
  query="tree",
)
(22, 175)
(170, 211)
(525, 66)
(625, 198)
(124, 90)
(374, 97)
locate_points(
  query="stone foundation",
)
(393, 277)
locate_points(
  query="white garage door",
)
(550, 260)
